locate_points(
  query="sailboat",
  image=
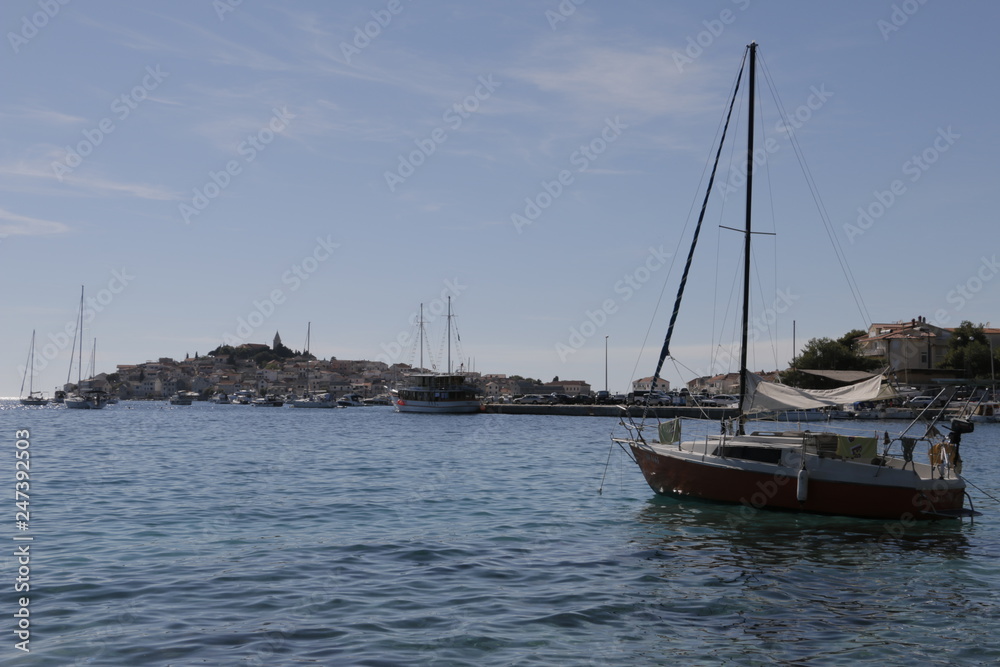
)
(437, 392)
(33, 397)
(803, 471)
(83, 398)
(313, 400)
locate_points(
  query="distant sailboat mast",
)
(420, 334)
(28, 368)
(76, 334)
(79, 359)
(93, 361)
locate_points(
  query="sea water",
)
(240, 535)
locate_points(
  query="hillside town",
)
(913, 352)
(228, 371)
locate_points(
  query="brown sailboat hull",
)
(730, 482)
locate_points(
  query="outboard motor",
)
(958, 427)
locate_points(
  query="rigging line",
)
(28, 364)
(720, 326)
(818, 201)
(701, 216)
(676, 363)
(673, 259)
(72, 349)
(993, 498)
(717, 325)
(773, 338)
(607, 464)
(761, 322)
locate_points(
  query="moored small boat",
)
(183, 398)
(324, 400)
(350, 401)
(268, 401)
(34, 398)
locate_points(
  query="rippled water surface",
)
(228, 535)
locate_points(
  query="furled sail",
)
(762, 396)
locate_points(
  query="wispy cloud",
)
(13, 224)
(642, 81)
(207, 46)
(38, 169)
(22, 113)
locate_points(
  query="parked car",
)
(560, 398)
(602, 397)
(583, 399)
(532, 399)
(657, 398)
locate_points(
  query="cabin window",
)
(750, 453)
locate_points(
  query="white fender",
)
(802, 489)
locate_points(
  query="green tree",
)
(850, 339)
(969, 351)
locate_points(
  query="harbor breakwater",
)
(610, 410)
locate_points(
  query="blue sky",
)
(213, 171)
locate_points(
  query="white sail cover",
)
(763, 395)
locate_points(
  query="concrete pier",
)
(609, 411)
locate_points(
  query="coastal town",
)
(260, 369)
(915, 353)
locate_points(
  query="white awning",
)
(763, 395)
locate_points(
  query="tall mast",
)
(449, 335)
(72, 349)
(79, 361)
(746, 241)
